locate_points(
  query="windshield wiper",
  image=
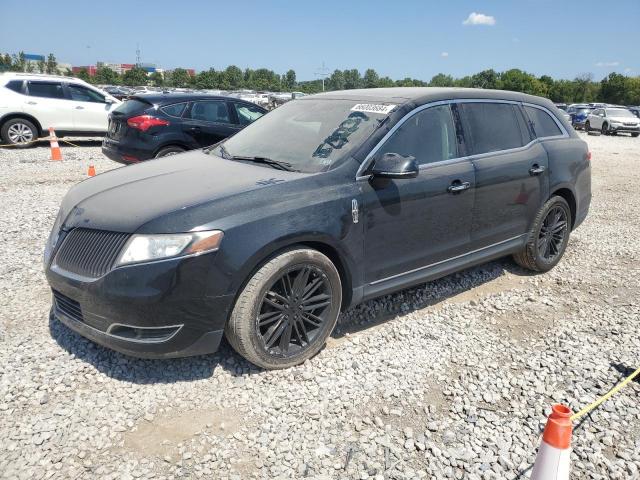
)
(266, 161)
(224, 153)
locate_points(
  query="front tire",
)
(19, 132)
(587, 127)
(635, 134)
(287, 309)
(548, 237)
(605, 129)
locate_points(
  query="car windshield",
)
(311, 135)
(619, 112)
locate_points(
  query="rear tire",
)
(19, 132)
(635, 134)
(287, 309)
(171, 150)
(548, 238)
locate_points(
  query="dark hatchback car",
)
(156, 125)
(324, 203)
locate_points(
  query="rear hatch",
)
(118, 118)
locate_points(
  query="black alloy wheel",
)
(294, 310)
(287, 309)
(552, 234)
(605, 129)
(548, 237)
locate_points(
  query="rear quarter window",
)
(175, 110)
(542, 123)
(15, 85)
(491, 127)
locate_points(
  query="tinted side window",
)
(491, 127)
(46, 89)
(429, 136)
(174, 110)
(15, 85)
(247, 113)
(83, 94)
(210, 111)
(542, 123)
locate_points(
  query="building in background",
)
(91, 70)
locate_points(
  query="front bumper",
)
(624, 128)
(169, 301)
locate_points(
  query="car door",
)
(47, 103)
(90, 109)
(208, 121)
(595, 119)
(511, 171)
(413, 223)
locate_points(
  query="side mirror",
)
(393, 165)
(108, 101)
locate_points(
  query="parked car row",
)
(156, 125)
(609, 119)
(613, 120)
(146, 125)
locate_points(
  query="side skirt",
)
(444, 268)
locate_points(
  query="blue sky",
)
(398, 38)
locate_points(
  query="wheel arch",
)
(568, 194)
(171, 144)
(324, 246)
(24, 116)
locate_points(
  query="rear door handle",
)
(79, 107)
(194, 129)
(458, 186)
(31, 103)
(537, 169)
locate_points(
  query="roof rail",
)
(27, 74)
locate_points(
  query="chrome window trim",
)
(366, 162)
(446, 260)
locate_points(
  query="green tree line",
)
(614, 88)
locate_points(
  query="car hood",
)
(126, 198)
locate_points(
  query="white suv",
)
(31, 103)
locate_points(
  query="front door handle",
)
(79, 107)
(458, 186)
(194, 129)
(537, 169)
(31, 103)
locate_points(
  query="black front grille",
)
(67, 306)
(90, 253)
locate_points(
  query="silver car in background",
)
(611, 121)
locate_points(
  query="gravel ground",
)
(453, 379)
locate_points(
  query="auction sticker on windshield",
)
(372, 108)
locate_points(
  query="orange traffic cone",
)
(56, 154)
(552, 462)
(92, 171)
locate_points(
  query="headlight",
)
(615, 122)
(144, 248)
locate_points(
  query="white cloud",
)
(479, 19)
(607, 64)
(628, 70)
(444, 54)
